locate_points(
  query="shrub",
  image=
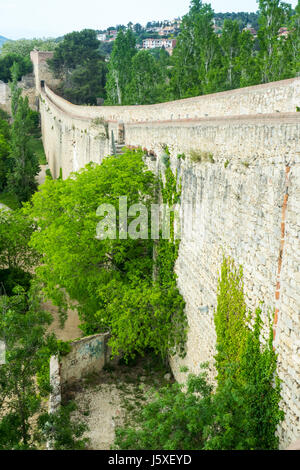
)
(200, 156)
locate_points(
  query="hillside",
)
(3, 40)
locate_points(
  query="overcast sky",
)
(52, 18)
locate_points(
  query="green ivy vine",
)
(167, 254)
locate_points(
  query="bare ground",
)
(70, 330)
(112, 398)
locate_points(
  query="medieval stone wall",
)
(4, 97)
(245, 202)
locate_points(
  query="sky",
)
(53, 18)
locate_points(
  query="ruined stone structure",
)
(246, 200)
(27, 85)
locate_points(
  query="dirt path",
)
(71, 328)
(113, 397)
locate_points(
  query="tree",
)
(120, 67)
(7, 61)
(292, 44)
(17, 259)
(146, 78)
(230, 47)
(73, 50)
(109, 280)
(28, 347)
(79, 63)
(22, 326)
(247, 64)
(138, 28)
(24, 165)
(273, 15)
(15, 232)
(196, 54)
(86, 83)
(15, 89)
(23, 47)
(61, 430)
(4, 153)
(242, 414)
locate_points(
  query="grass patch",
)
(200, 156)
(10, 200)
(36, 146)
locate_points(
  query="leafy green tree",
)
(197, 53)
(7, 61)
(110, 280)
(17, 259)
(242, 414)
(4, 154)
(79, 63)
(61, 431)
(22, 327)
(86, 83)
(24, 378)
(15, 233)
(120, 67)
(174, 420)
(24, 165)
(73, 50)
(15, 89)
(24, 162)
(230, 47)
(246, 62)
(273, 15)
(292, 44)
(146, 79)
(23, 47)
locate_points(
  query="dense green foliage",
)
(61, 431)
(136, 77)
(205, 61)
(7, 61)
(24, 378)
(243, 413)
(22, 324)
(242, 18)
(78, 62)
(230, 318)
(4, 151)
(23, 47)
(23, 162)
(16, 258)
(252, 367)
(120, 67)
(111, 280)
(19, 52)
(20, 146)
(214, 52)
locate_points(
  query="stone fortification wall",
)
(269, 98)
(245, 201)
(4, 97)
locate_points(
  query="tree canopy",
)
(109, 280)
(78, 61)
(6, 63)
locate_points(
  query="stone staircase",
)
(119, 147)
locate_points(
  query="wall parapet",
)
(276, 97)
